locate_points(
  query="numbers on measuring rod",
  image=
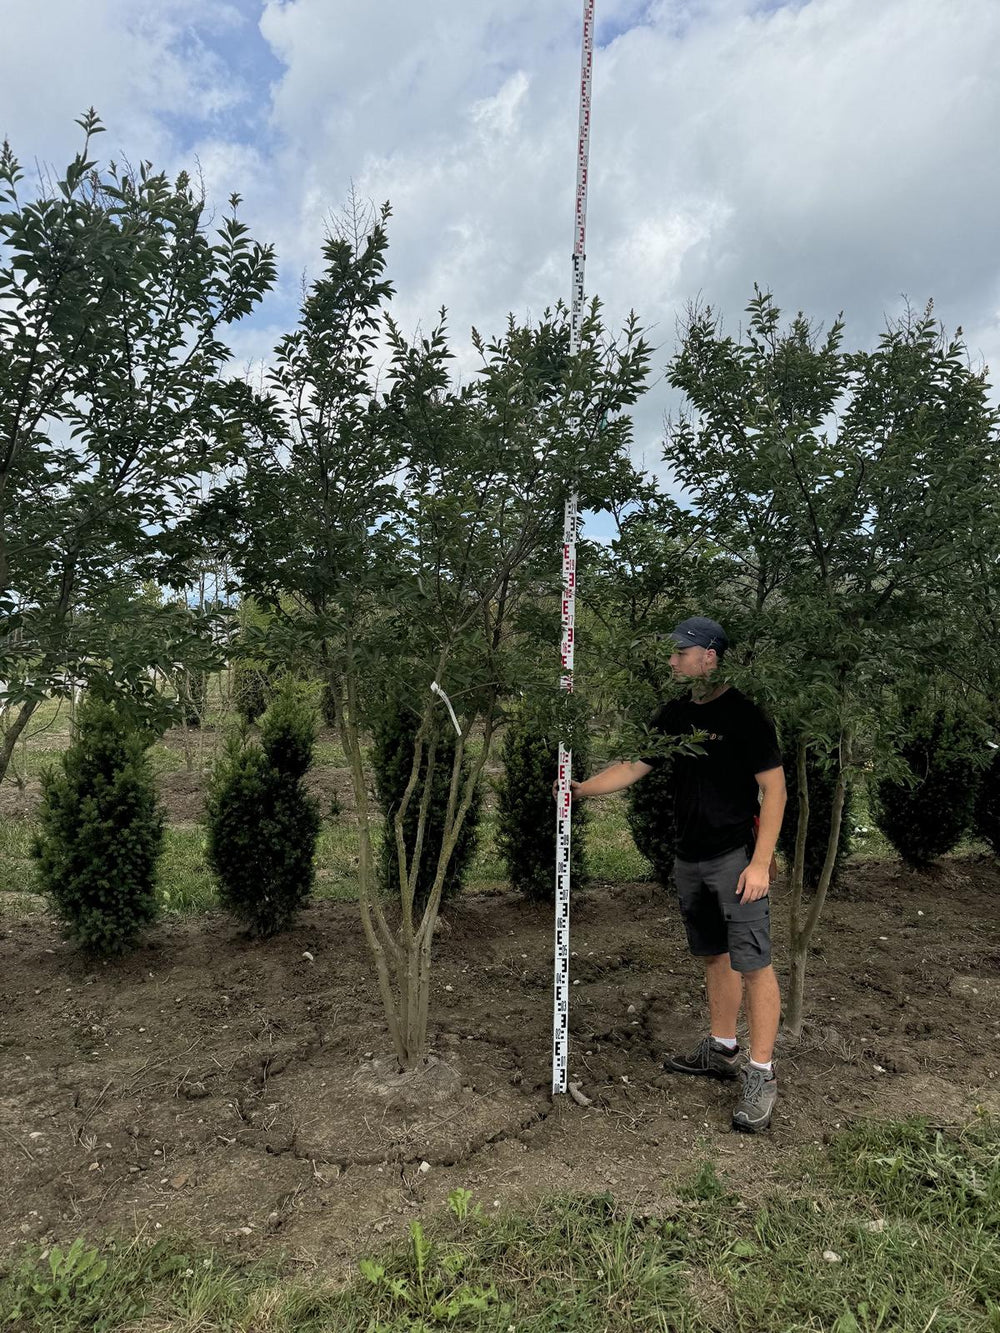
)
(571, 523)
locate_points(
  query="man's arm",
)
(616, 777)
(754, 882)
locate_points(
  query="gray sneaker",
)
(707, 1058)
(758, 1093)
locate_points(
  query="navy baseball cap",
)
(700, 632)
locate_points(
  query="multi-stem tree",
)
(406, 534)
(852, 491)
(113, 302)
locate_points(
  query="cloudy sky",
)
(842, 153)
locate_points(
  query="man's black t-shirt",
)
(715, 793)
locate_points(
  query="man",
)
(722, 865)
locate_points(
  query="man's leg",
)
(706, 934)
(725, 995)
(758, 1084)
(763, 1012)
(748, 927)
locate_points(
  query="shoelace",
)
(702, 1053)
(753, 1086)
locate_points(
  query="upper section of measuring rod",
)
(582, 170)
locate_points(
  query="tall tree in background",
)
(113, 303)
(853, 492)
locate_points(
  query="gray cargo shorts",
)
(716, 920)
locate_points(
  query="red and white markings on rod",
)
(582, 170)
(560, 1021)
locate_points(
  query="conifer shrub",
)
(393, 738)
(262, 824)
(193, 691)
(649, 805)
(101, 829)
(928, 818)
(986, 816)
(328, 706)
(526, 811)
(821, 781)
(253, 689)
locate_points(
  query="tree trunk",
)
(796, 989)
(376, 928)
(803, 932)
(12, 736)
(796, 944)
(403, 956)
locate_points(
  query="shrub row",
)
(101, 831)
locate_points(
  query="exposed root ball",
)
(412, 1090)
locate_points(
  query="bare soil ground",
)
(210, 1084)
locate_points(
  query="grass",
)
(15, 850)
(329, 752)
(893, 1230)
(611, 851)
(185, 882)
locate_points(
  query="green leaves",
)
(112, 302)
(428, 1287)
(848, 488)
(101, 830)
(852, 497)
(262, 825)
(424, 518)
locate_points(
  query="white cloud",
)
(837, 151)
(140, 65)
(831, 150)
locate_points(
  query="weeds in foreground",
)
(894, 1230)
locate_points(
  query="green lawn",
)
(896, 1228)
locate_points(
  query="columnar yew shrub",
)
(101, 830)
(526, 812)
(193, 691)
(925, 819)
(392, 763)
(328, 706)
(262, 823)
(986, 817)
(650, 812)
(253, 689)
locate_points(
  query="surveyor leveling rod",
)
(560, 1022)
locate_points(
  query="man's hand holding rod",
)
(616, 777)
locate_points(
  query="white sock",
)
(730, 1043)
(767, 1069)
